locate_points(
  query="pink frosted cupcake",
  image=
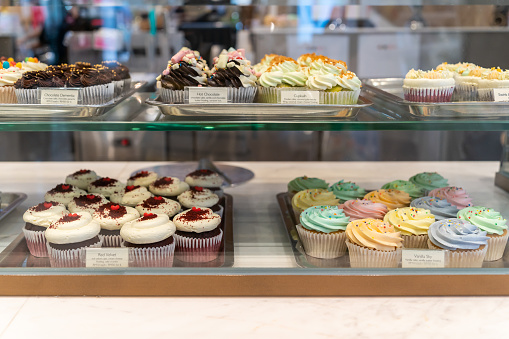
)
(428, 86)
(112, 217)
(456, 196)
(38, 218)
(363, 209)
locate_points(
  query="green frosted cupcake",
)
(429, 180)
(303, 183)
(347, 190)
(405, 186)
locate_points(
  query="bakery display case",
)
(259, 246)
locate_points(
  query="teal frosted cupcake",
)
(429, 180)
(405, 186)
(347, 190)
(303, 183)
(322, 231)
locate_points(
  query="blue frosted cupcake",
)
(440, 208)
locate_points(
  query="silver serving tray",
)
(9, 201)
(37, 111)
(258, 110)
(390, 90)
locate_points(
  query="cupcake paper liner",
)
(415, 241)
(27, 96)
(8, 95)
(470, 258)
(111, 240)
(127, 85)
(443, 94)
(267, 95)
(70, 258)
(152, 256)
(36, 242)
(340, 98)
(322, 245)
(242, 94)
(172, 96)
(465, 92)
(118, 88)
(197, 250)
(486, 94)
(496, 246)
(97, 95)
(366, 257)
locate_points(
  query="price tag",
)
(67, 97)
(416, 258)
(107, 257)
(207, 95)
(501, 94)
(300, 97)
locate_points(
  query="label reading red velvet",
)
(501, 94)
(107, 257)
(66, 97)
(207, 95)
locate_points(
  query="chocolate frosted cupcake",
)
(26, 88)
(87, 203)
(159, 205)
(198, 235)
(69, 237)
(201, 197)
(106, 186)
(63, 193)
(38, 218)
(142, 178)
(81, 178)
(112, 217)
(207, 179)
(122, 77)
(169, 187)
(131, 196)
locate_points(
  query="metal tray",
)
(9, 201)
(257, 110)
(37, 111)
(18, 255)
(390, 90)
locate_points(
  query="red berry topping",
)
(130, 188)
(83, 171)
(90, 196)
(144, 172)
(106, 179)
(72, 215)
(168, 179)
(196, 209)
(65, 187)
(199, 189)
(148, 214)
(158, 198)
(115, 207)
(48, 204)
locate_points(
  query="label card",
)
(67, 97)
(107, 257)
(501, 94)
(421, 258)
(299, 97)
(207, 95)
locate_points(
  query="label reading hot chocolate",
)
(421, 258)
(207, 95)
(299, 97)
(107, 257)
(67, 97)
(501, 94)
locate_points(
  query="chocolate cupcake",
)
(122, 77)
(111, 217)
(131, 196)
(169, 187)
(63, 193)
(201, 197)
(159, 205)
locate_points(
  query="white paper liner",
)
(152, 256)
(365, 257)
(27, 96)
(36, 242)
(242, 94)
(127, 85)
(322, 245)
(118, 88)
(197, 250)
(470, 258)
(97, 95)
(340, 98)
(267, 95)
(439, 94)
(111, 240)
(70, 258)
(466, 91)
(496, 246)
(172, 96)
(415, 241)
(486, 94)
(8, 95)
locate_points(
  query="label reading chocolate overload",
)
(300, 97)
(501, 94)
(421, 258)
(107, 257)
(67, 97)
(207, 95)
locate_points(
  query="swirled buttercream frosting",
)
(45, 213)
(487, 219)
(405, 186)
(440, 208)
(73, 228)
(346, 190)
(149, 229)
(198, 197)
(324, 219)
(305, 182)
(363, 209)
(374, 234)
(429, 180)
(197, 220)
(457, 196)
(390, 198)
(313, 197)
(410, 220)
(456, 234)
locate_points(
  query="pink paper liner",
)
(8, 95)
(322, 245)
(70, 258)
(415, 241)
(111, 240)
(443, 94)
(366, 257)
(197, 250)
(496, 246)
(470, 258)
(36, 242)
(152, 256)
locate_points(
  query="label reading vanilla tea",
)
(66, 97)
(421, 258)
(207, 95)
(107, 257)
(299, 97)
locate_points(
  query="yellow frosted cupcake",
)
(390, 198)
(312, 197)
(413, 223)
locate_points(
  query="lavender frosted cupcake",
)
(440, 208)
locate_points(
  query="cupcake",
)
(122, 79)
(9, 74)
(142, 178)
(490, 81)
(111, 217)
(63, 193)
(106, 186)
(428, 86)
(32, 64)
(81, 178)
(322, 231)
(491, 221)
(390, 198)
(363, 209)
(38, 218)
(86, 203)
(440, 208)
(25, 88)
(169, 187)
(405, 186)
(198, 235)
(200, 197)
(150, 241)
(413, 224)
(206, 179)
(312, 197)
(264, 63)
(304, 183)
(428, 180)
(283, 72)
(373, 243)
(131, 196)
(456, 196)
(346, 190)
(467, 83)
(69, 237)
(464, 244)
(159, 205)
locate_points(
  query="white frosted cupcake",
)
(63, 193)
(159, 205)
(490, 81)
(412, 223)
(106, 186)
(206, 179)
(131, 196)
(8, 76)
(142, 178)
(81, 178)
(200, 197)
(428, 86)
(87, 203)
(112, 217)
(169, 187)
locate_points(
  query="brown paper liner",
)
(366, 257)
(415, 241)
(196, 249)
(496, 246)
(322, 245)
(463, 258)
